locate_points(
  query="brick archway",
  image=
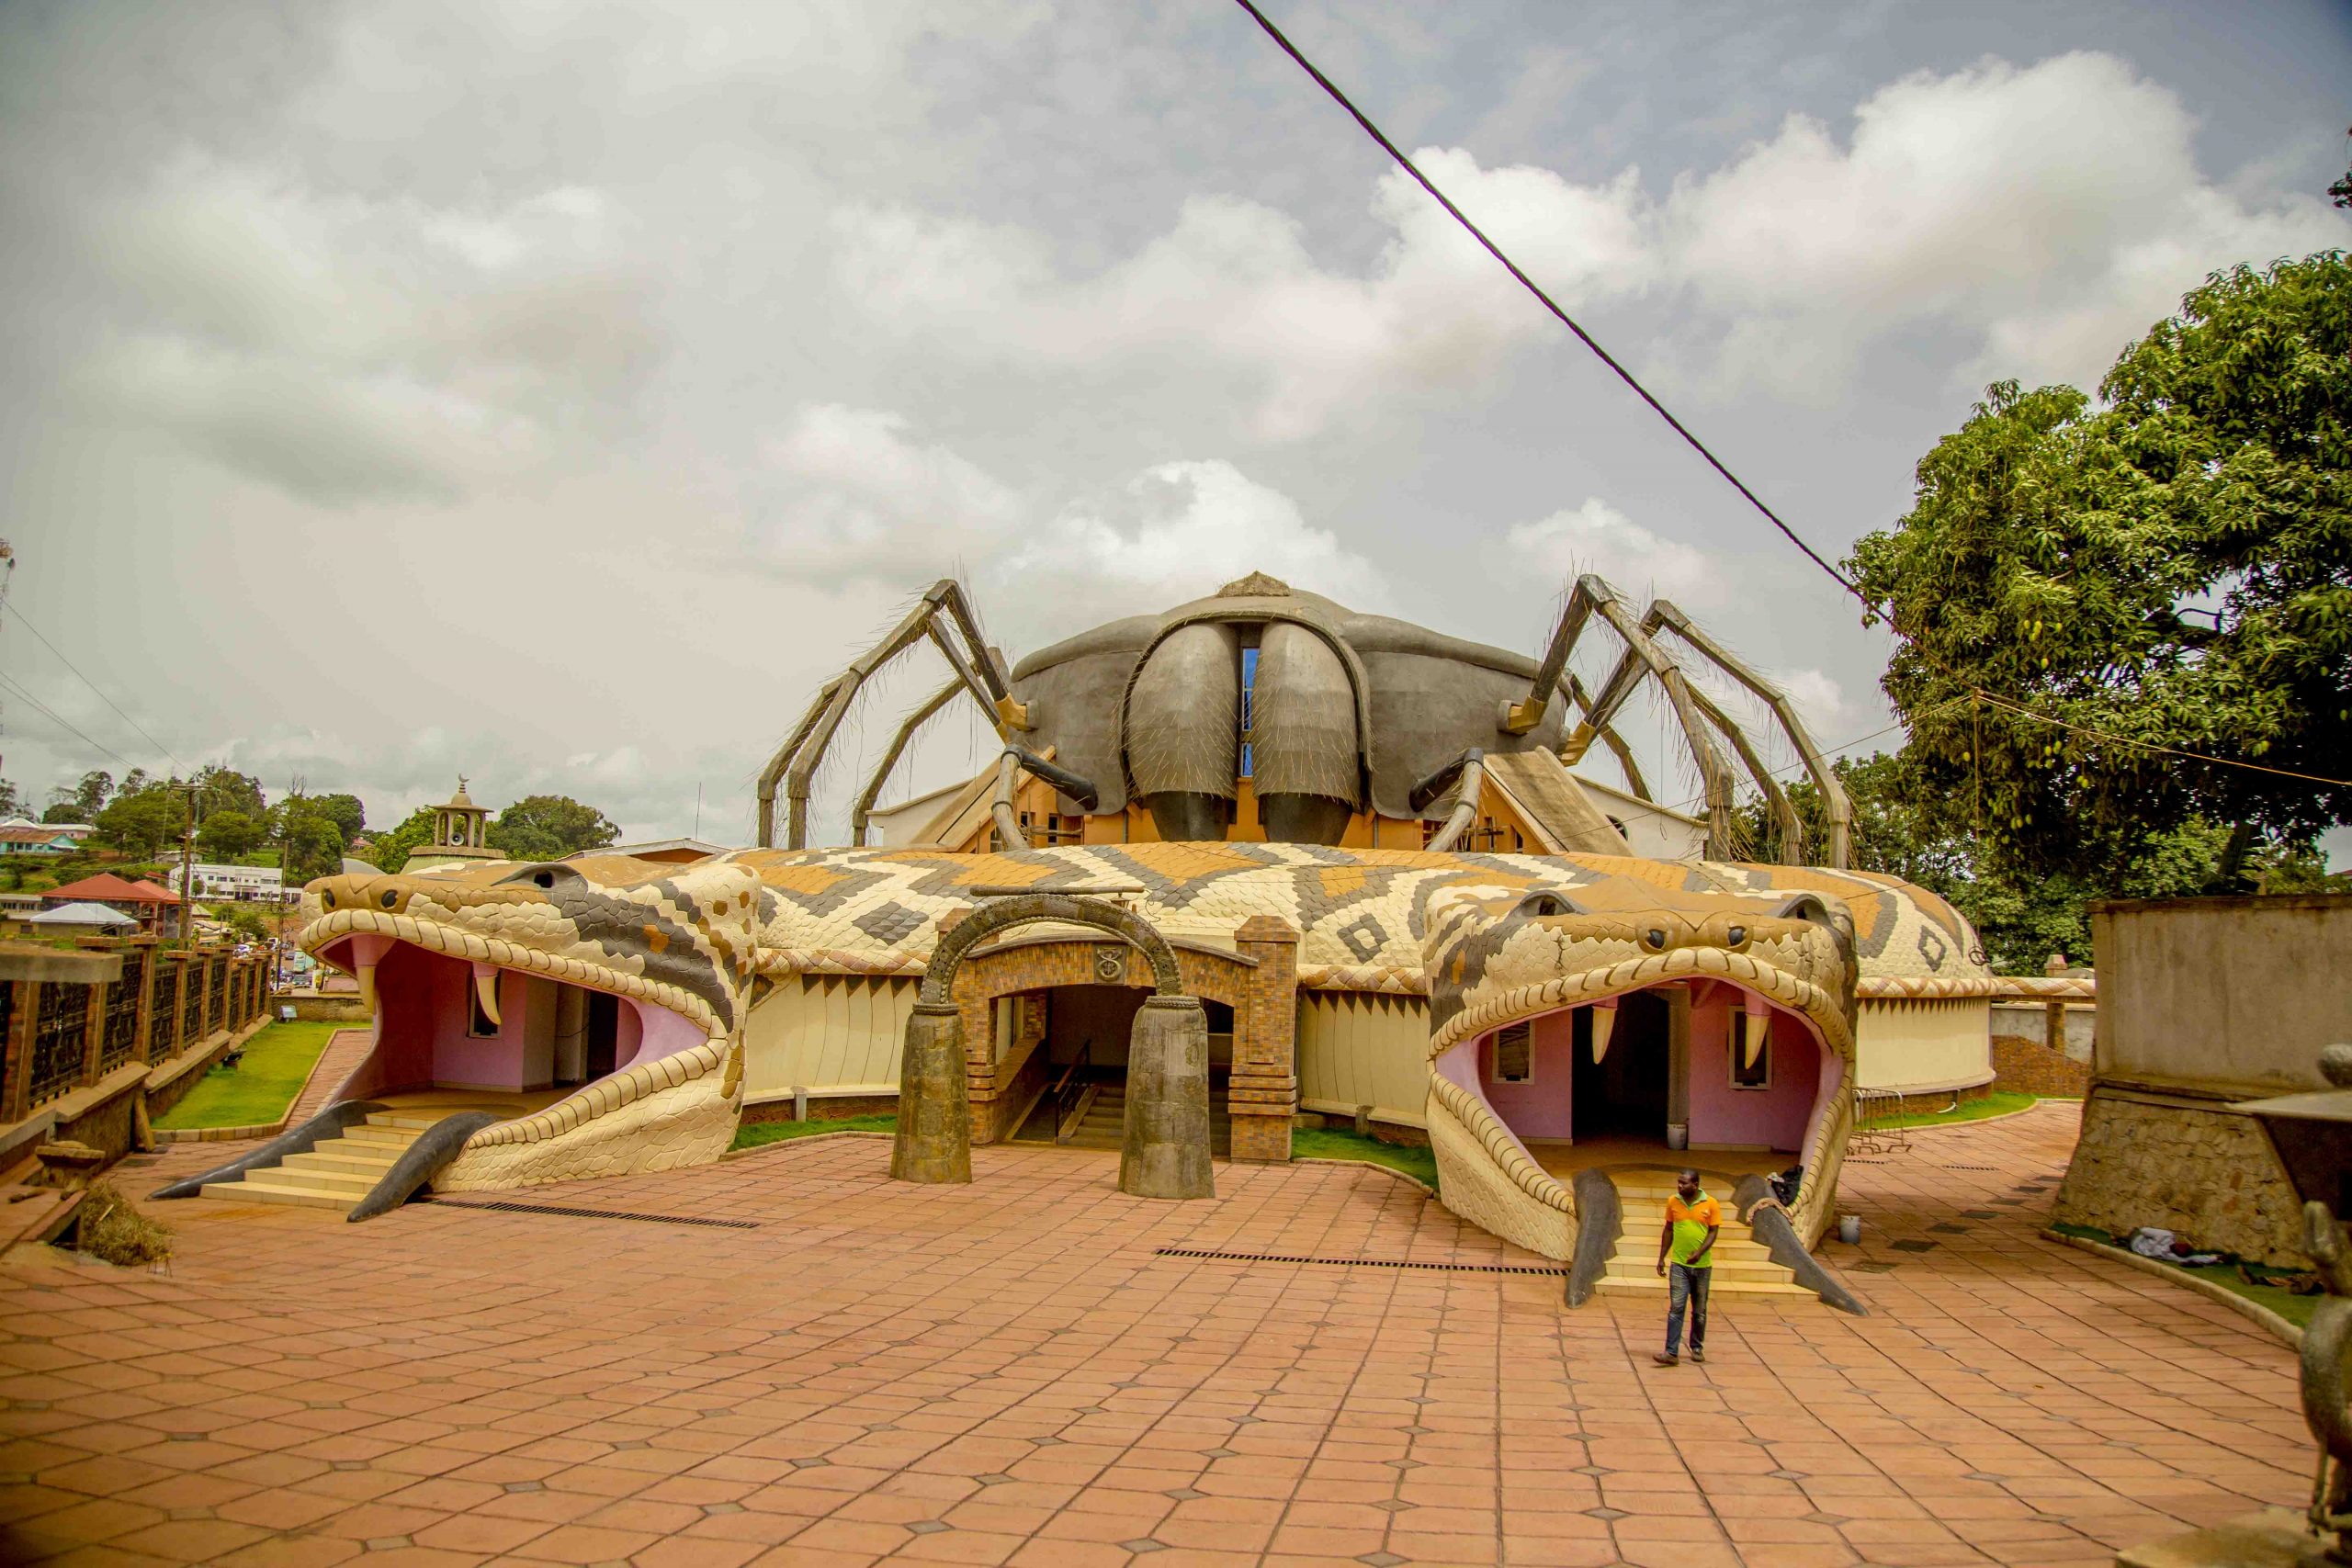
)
(1259, 981)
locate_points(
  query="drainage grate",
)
(599, 1215)
(1361, 1262)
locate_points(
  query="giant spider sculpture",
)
(1324, 712)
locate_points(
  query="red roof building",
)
(143, 898)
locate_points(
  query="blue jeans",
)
(1686, 1286)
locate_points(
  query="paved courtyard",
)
(1008, 1372)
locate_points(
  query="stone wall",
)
(2178, 1159)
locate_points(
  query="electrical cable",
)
(1550, 304)
(19, 615)
(2152, 746)
(62, 722)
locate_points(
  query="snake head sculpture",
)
(626, 977)
(1758, 987)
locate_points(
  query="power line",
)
(19, 617)
(62, 722)
(2152, 746)
(1548, 302)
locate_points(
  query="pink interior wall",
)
(423, 1006)
(649, 1033)
(1775, 1117)
(1538, 1108)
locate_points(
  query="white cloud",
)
(855, 496)
(2050, 213)
(1177, 531)
(1597, 537)
(1231, 289)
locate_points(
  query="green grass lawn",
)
(752, 1135)
(277, 1064)
(2295, 1309)
(1330, 1143)
(1968, 1110)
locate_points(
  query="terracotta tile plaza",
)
(831, 1369)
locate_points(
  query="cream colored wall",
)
(1924, 1046)
(832, 1035)
(2241, 992)
(1359, 1049)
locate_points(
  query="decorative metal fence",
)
(163, 1030)
(61, 1040)
(122, 1012)
(191, 1002)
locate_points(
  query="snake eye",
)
(544, 878)
(1655, 939)
(327, 898)
(390, 898)
(1738, 935)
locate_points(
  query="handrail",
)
(1069, 1087)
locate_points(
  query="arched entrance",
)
(1164, 1152)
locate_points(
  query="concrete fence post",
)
(1165, 1152)
(933, 1141)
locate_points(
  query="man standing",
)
(1687, 1243)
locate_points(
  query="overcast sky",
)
(559, 392)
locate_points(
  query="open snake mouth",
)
(1736, 1025)
(527, 985)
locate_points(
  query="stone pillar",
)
(934, 1143)
(146, 949)
(2053, 1014)
(24, 998)
(1165, 1151)
(1263, 1094)
(93, 1031)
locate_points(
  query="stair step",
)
(344, 1159)
(1720, 1288)
(1726, 1269)
(352, 1188)
(252, 1191)
(380, 1138)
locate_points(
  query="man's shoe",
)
(1698, 1354)
(1663, 1359)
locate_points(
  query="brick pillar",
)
(1263, 1094)
(24, 998)
(93, 1031)
(146, 948)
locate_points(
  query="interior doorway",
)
(1084, 1052)
(1624, 1094)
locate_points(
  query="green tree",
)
(11, 803)
(229, 834)
(80, 801)
(225, 789)
(348, 813)
(389, 850)
(2173, 571)
(310, 839)
(140, 823)
(549, 826)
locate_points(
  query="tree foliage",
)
(389, 850)
(549, 826)
(229, 835)
(1901, 830)
(2173, 569)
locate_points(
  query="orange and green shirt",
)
(1691, 1222)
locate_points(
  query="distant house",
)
(76, 830)
(243, 882)
(34, 839)
(84, 920)
(150, 903)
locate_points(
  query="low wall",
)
(2023, 1065)
(2174, 1156)
(313, 1008)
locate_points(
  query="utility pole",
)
(188, 869)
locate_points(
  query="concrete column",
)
(145, 950)
(24, 998)
(934, 1143)
(1678, 1055)
(1263, 1093)
(1165, 1151)
(94, 1030)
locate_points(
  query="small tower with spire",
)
(460, 831)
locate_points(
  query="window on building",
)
(477, 1024)
(1744, 1074)
(1515, 1053)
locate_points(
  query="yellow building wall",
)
(1356, 1048)
(830, 1034)
(1924, 1046)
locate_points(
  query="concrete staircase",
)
(1742, 1268)
(338, 1172)
(1101, 1121)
